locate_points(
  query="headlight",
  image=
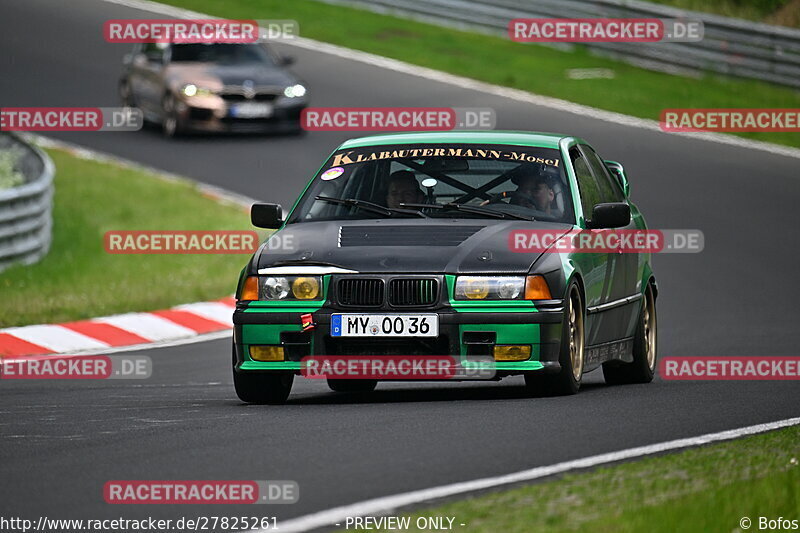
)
(290, 288)
(194, 90)
(295, 91)
(490, 287)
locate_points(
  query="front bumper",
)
(462, 332)
(283, 120)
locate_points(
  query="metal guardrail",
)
(26, 218)
(730, 46)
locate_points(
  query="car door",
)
(597, 274)
(145, 78)
(622, 310)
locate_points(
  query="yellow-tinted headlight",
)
(266, 353)
(305, 288)
(512, 352)
(476, 289)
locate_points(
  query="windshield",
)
(406, 180)
(226, 54)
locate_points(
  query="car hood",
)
(408, 245)
(213, 76)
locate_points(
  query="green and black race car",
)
(409, 245)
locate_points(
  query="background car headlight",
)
(490, 287)
(290, 288)
(295, 91)
(193, 90)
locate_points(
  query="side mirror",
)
(610, 215)
(618, 172)
(156, 58)
(267, 216)
(287, 60)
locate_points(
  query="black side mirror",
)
(267, 216)
(610, 215)
(156, 58)
(287, 60)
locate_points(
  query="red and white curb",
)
(111, 333)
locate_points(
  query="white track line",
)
(382, 506)
(467, 83)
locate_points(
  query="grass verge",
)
(78, 279)
(538, 69)
(708, 489)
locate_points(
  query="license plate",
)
(360, 325)
(251, 110)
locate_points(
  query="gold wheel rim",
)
(650, 329)
(576, 337)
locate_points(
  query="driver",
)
(403, 189)
(535, 191)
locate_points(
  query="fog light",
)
(512, 353)
(266, 353)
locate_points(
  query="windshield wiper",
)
(471, 209)
(371, 207)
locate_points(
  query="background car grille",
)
(367, 292)
(262, 97)
(413, 291)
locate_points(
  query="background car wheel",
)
(125, 95)
(263, 387)
(571, 356)
(352, 385)
(645, 345)
(171, 123)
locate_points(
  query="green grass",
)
(78, 279)
(701, 489)
(497, 60)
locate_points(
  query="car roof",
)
(520, 138)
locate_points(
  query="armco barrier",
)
(26, 218)
(731, 46)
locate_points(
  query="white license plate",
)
(251, 110)
(361, 325)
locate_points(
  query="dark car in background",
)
(217, 87)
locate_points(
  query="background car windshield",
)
(227, 54)
(515, 180)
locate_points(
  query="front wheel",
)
(571, 354)
(171, 123)
(263, 387)
(643, 367)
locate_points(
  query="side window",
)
(587, 186)
(610, 190)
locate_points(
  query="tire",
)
(352, 385)
(171, 124)
(125, 95)
(645, 346)
(571, 355)
(263, 387)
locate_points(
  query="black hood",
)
(406, 245)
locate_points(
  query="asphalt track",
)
(61, 441)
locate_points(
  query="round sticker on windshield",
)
(332, 173)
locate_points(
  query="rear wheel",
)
(352, 385)
(645, 344)
(571, 356)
